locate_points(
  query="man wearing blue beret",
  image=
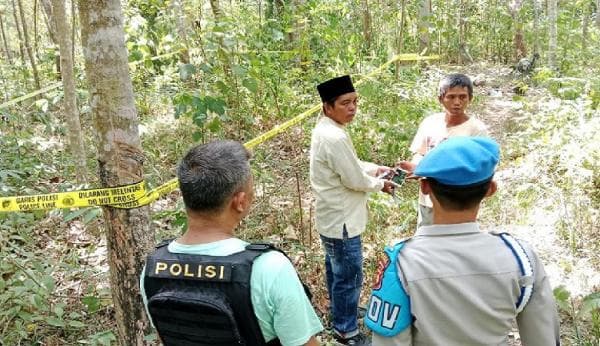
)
(341, 183)
(451, 283)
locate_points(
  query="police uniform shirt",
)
(340, 181)
(463, 285)
(278, 299)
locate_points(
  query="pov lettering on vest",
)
(171, 269)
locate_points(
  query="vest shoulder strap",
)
(525, 268)
(261, 247)
(388, 312)
(164, 243)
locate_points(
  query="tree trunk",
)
(19, 32)
(298, 27)
(35, 29)
(51, 26)
(400, 37)
(222, 51)
(584, 27)
(514, 8)
(464, 29)
(214, 5)
(120, 158)
(366, 22)
(536, 26)
(73, 28)
(36, 75)
(47, 6)
(553, 33)
(4, 40)
(275, 8)
(178, 10)
(70, 98)
(598, 14)
(423, 26)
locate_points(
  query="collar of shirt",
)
(330, 121)
(453, 229)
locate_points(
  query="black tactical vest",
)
(203, 300)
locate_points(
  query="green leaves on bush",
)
(206, 112)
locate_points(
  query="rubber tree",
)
(28, 48)
(19, 32)
(424, 25)
(4, 40)
(120, 158)
(71, 111)
(553, 33)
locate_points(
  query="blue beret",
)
(460, 161)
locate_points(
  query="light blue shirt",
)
(278, 299)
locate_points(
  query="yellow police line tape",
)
(58, 84)
(30, 95)
(135, 195)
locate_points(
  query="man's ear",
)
(492, 189)
(326, 108)
(239, 201)
(425, 187)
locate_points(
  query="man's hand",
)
(389, 186)
(406, 165)
(383, 171)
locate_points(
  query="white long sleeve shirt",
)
(433, 130)
(340, 181)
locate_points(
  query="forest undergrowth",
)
(54, 283)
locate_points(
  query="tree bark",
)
(584, 26)
(553, 33)
(35, 28)
(73, 28)
(178, 10)
(120, 158)
(19, 32)
(598, 14)
(295, 36)
(4, 40)
(536, 26)
(70, 99)
(366, 22)
(400, 37)
(423, 26)
(514, 8)
(34, 69)
(47, 6)
(461, 32)
(51, 26)
(222, 51)
(218, 13)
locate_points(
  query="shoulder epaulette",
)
(525, 267)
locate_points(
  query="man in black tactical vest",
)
(208, 287)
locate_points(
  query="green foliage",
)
(206, 112)
(584, 314)
(251, 68)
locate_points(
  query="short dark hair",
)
(331, 101)
(458, 198)
(211, 173)
(455, 80)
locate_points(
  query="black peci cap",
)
(335, 87)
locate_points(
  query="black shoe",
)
(357, 340)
